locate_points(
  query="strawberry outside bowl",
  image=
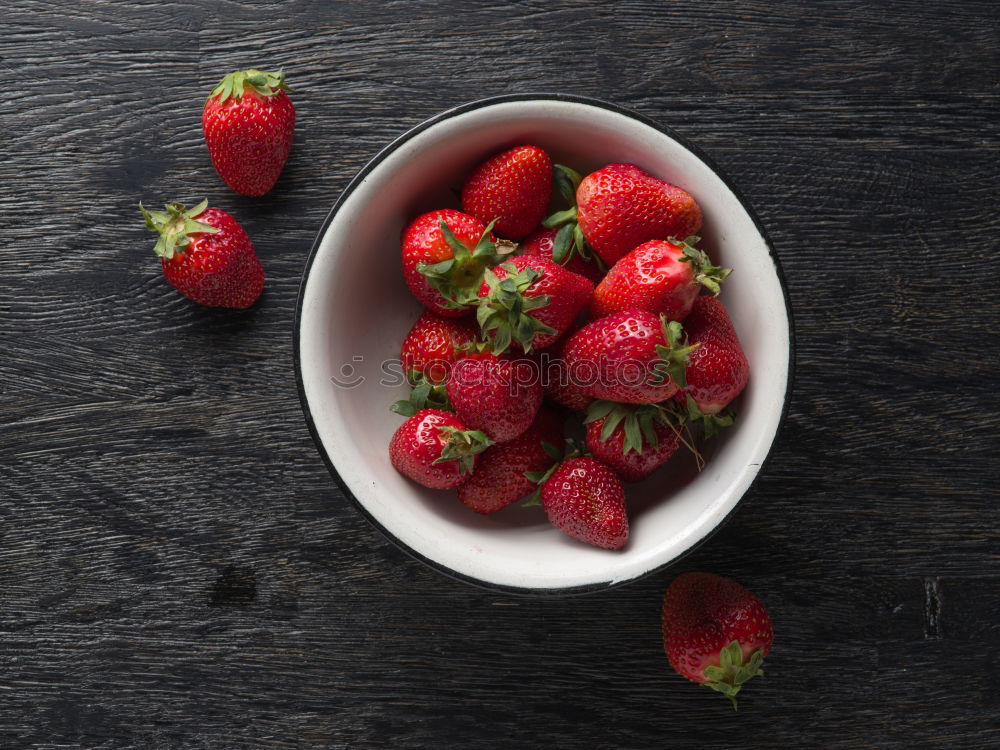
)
(354, 309)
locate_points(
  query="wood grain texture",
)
(177, 569)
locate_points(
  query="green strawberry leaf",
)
(636, 422)
(458, 278)
(460, 251)
(462, 446)
(425, 395)
(674, 356)
(535, 499)
(552, 451)
(235, 84)
(728, 678)
(567, 181)
(175, 226)
(711, 424)
(509, 317)
(705, 272)
(562, 244)
(560, 218)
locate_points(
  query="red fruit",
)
(434, 448)
(715, 632)
(531, 301)
(513, 188)
(634, 441)
(445, 268)
(557, 382)
(541, 244)
(433, 345)
(248, 123)
(585, 499)
(633, 357)
(498, 395)
(206, 255)
(560, 387)
(499, 478)
(660, 276)
(717, 370)
(620, 206)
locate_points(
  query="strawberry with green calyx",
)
(632, 357)
(433, 345)
(434, 448)
(498, 394)
(529, 301)
(504, 472)
(206, 255)
(715, 632)
(569, 244)
(632, 440)
(620, 206)
(661, 276)
(511, 188)
(718, 370)
(444, 255)
(248, 121)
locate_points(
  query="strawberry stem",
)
(728, 678)
(458, 278)
(235, 84)
(504, 315)
(678, 422)
(425, 395)
(705, 273)
(175, 227)
(711, 424)
(674, 356)
(462, 446)
(637, 423)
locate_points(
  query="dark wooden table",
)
(177, 568)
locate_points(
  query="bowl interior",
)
(355, 310)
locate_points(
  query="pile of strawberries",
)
(606, 308)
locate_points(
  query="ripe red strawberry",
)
(633, 357)
(542, 244)
(585, 499)
(433, 345)
(444, 255)
(620, 206)
(499, 395)
(715, 632)
(661, 276)
(634, 441)
(499, 478)
(558, 382)
(530, 301)
(434, 448)
(206, 255)
(248, 123)
(717, 370)
(513, 188)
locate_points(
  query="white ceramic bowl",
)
(354, 310)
